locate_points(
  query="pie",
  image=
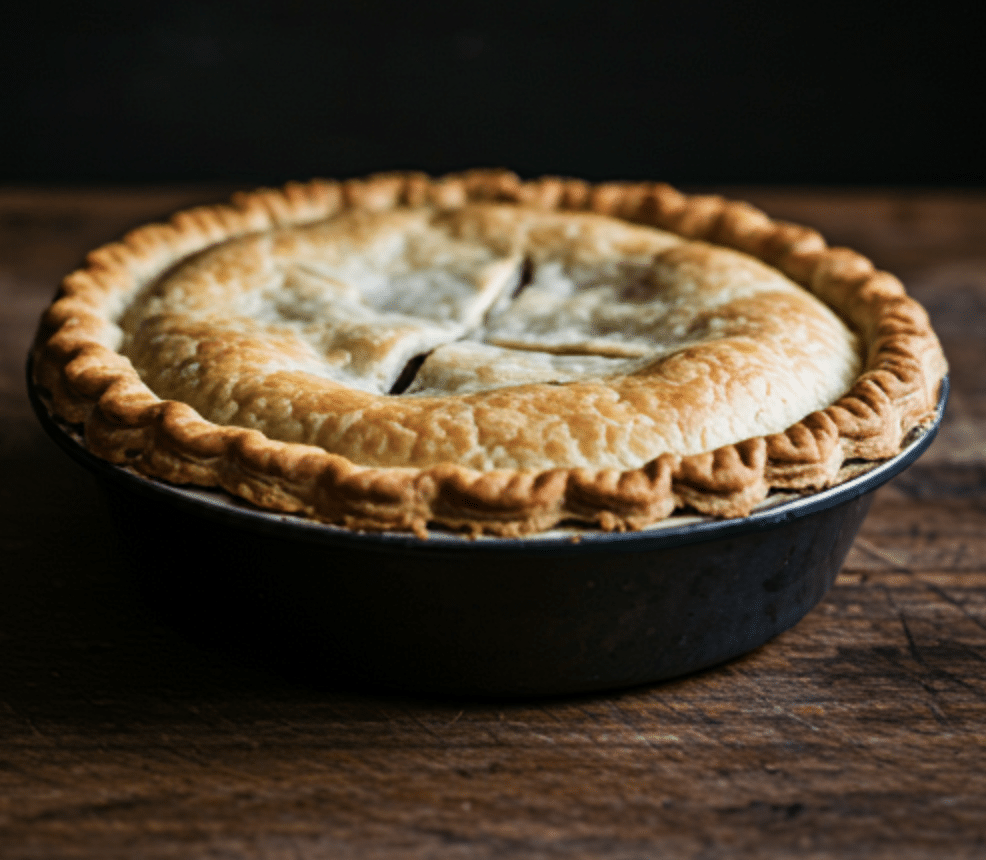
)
(482, 353)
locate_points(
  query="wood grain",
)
(859, 733)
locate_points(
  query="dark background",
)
(697, 92)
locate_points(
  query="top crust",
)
(484, 353)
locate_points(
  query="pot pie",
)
(483, 353)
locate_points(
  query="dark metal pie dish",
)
(564, 612)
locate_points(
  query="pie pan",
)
(558, 613)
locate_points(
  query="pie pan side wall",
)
(454, 616)
(127, 424)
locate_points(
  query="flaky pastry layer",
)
(484, 353)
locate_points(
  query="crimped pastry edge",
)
(89, 383)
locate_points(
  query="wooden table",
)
(860, 733)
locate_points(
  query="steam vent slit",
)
(403, 382)
(526, 276)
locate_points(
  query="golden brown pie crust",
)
(185, 309)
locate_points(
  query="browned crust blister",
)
(89, 383)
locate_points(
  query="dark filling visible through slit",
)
(526, 276)
(403, 382)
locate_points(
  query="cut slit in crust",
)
(260, 457)
(407, 375)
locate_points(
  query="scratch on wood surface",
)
(650, 738)
(961, 551)
(912, 646)
(895, 559)
(933, 670)
(630, 725)
(799, 714)
(959, 605)
(972, 652)
(421, 724)
(206, 763)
